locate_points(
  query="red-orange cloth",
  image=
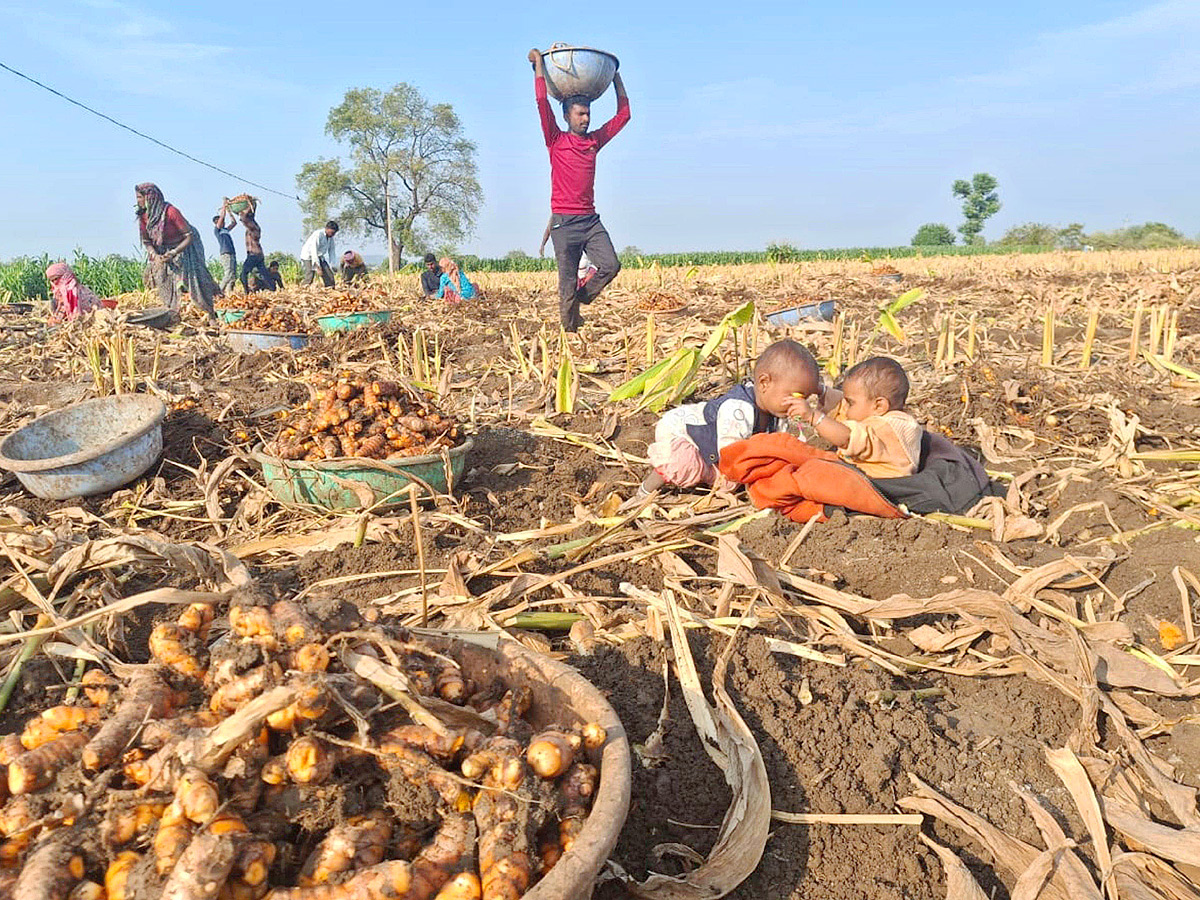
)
(784, 473)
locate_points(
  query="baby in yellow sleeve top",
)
(866, 420)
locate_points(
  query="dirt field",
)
(1079, 444)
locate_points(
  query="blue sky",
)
(819, 124)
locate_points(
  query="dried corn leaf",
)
(108, 553)
(1011, 856)
(960, 884)
(1065, 865)
(1177, 844)
(1035, 880)
(1070, 771)
(1134, 871)
(743, 835)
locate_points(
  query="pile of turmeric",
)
(247, 716)
(358, 416)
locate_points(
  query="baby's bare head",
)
(783, 370)
(880, 378)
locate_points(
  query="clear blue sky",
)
(819, 124)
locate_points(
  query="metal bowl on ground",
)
(891, 276)
(87, 448)
(578, 71)
(353, 483)
(561, 696)
(336, 322)
(254, 341)
(155, 317)
(813, 312)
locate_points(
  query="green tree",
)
(980, 202)
(1148, 236)
(1071, 237)
(409, 175)
(933, 234)
(516, 254)
(1031, 234)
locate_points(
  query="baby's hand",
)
(797, 407)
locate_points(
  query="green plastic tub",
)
(229, 316)
(350, 321)
(358, 483)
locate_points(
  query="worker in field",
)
(431, 278)
(174, 251)
(318, 253)
(222, 224)
(574, 225)
(255, 261)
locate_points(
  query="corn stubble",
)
(205, 775)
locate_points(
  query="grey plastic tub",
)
(87, 448)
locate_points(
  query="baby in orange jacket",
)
(866, 419)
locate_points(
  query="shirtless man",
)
(574, 225)
(255, 261)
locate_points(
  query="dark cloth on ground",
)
(572, 236)
(949, 480)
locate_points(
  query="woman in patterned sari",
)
(175, 252)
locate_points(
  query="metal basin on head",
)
(578, 71)
(87, 448)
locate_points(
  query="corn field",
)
(774, 253)
(24, 278)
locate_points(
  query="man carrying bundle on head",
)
(574, 225)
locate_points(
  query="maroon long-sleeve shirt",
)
(573, 157)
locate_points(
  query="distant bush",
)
(933, 234)
(782, 253)
(1149, 236)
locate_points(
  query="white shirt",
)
(318, 246)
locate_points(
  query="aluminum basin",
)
(254, 341)
(87, 448)
(572, 71)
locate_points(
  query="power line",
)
(140, 134)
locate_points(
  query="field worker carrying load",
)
(574, 225)
(175, 252)
(318, 254)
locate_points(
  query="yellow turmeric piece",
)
(358, 842)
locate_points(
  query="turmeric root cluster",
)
(355, 298)
(283, 321)
(660, 301)
(274, 752)
(357, 416)
(259, 301)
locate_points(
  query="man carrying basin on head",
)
(574, 225)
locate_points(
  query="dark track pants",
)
(572, 236)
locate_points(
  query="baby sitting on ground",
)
(866, 419)
(688, 440)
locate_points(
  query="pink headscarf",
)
(70, 297)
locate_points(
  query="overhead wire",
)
(145, 136)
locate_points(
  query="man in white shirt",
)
(317, 254)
